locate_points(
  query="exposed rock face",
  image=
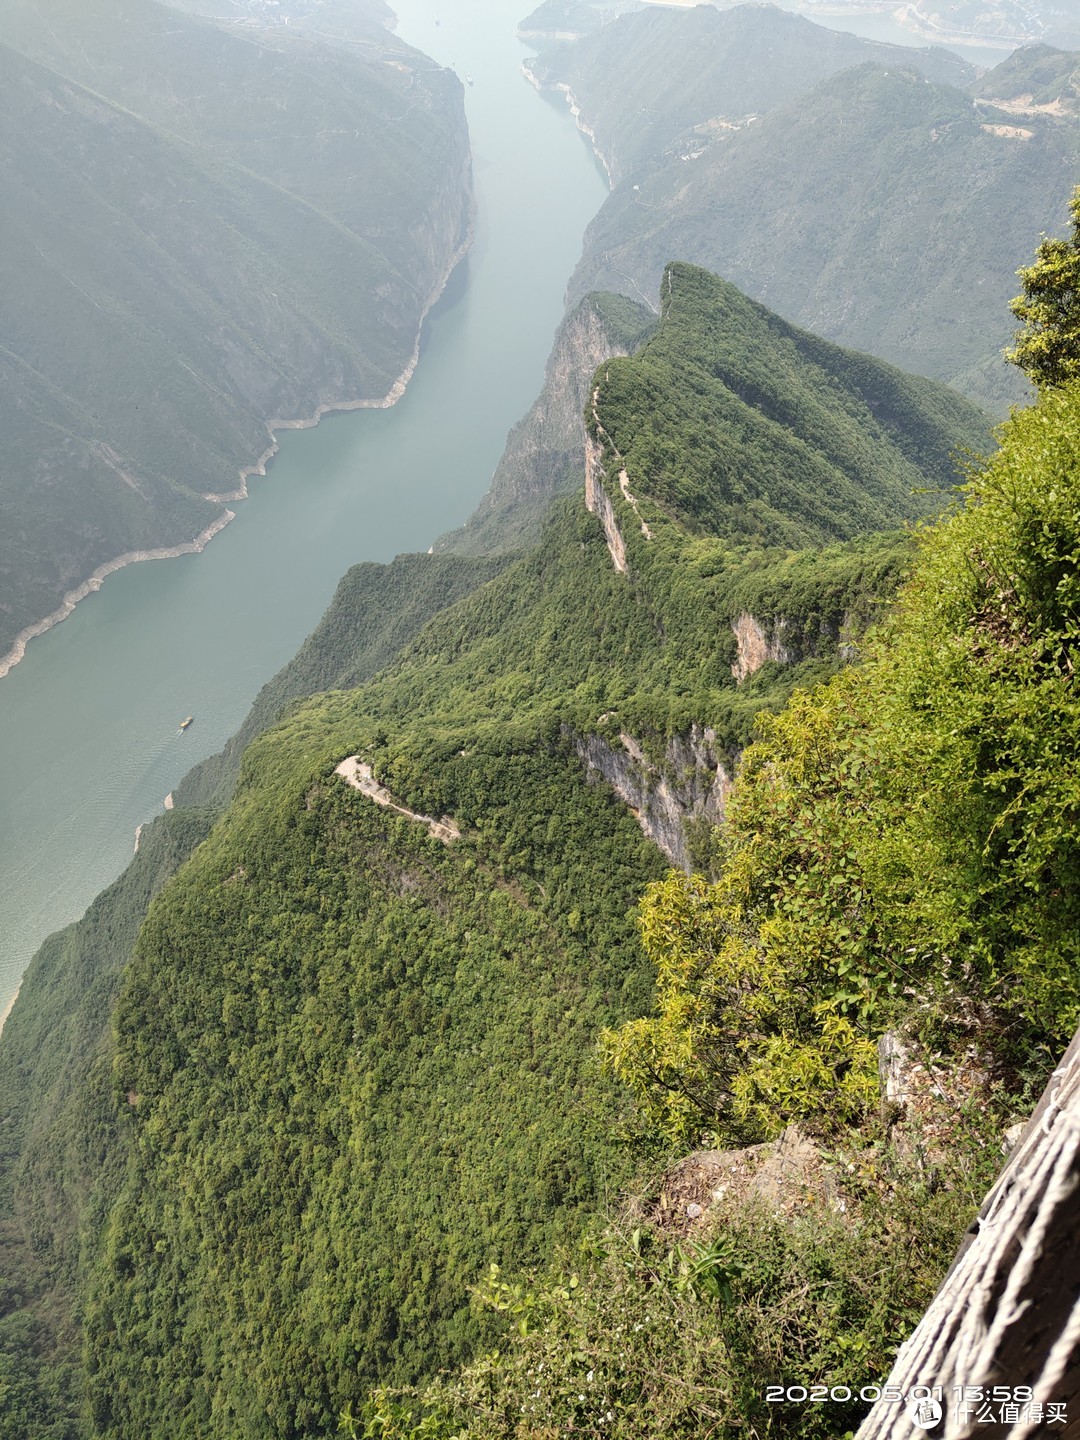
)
(543, 456)
(692, 782)
(598, 501)
(788, 1174)
(756, 648)
(781, 645)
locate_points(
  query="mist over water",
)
(89, 739)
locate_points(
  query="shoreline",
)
(907, 14)
(98, 578)
(559, 87)
(195, 546)
(335, 407)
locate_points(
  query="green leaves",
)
(1048, 348)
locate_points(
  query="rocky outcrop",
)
(543, 455)
(787, 1175)
(598, 501)
(756, 648)
(778, 641)
(691, 782)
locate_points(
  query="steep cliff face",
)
(780, 640)
(543, 452)
(688, 782)
(756, 647)
(598, 502)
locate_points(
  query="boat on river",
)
(185, 723)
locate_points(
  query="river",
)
(88, 721)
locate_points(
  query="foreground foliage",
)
(654, 1337)
(905, 834)
(1048, 347)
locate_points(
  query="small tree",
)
(1048, 348)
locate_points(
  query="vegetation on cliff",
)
(544, 456)
(900, 854)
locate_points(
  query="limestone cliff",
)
(543, 455)
(598, 501)
(780, 640)
(688, 782)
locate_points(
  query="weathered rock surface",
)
(776, 640)
(598, 503)
(690, 783)
(787, 1175)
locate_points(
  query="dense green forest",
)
(352, 1065)
(881, 211)
(209, 228)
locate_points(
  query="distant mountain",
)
(881, 210)
(561, 19)
(1008, 22)
(1036, 80)
(208, 227)
(651, 75)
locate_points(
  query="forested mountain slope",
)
(886, 213)
(1038, 79)
(208, 229)
(679, 67)
(353, 1060)
(874, 985)
(59, 1120)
